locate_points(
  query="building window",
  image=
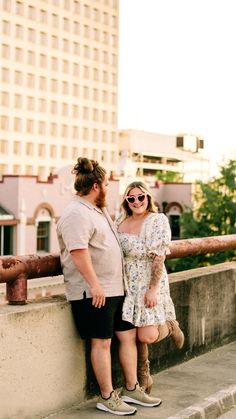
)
(43, 38)
(31, 12)
(55, 20)
(43, 236)
(75, 111)
(18, 77)
(55, 41)
(30, 80)
(66, 24)
(175, 226)
(43, 16)
(28, 170)
(3, 146)
(30, 103)
(6, 240)
(76, 48)
(19, 8)
(5, 99)
(29, 149)
(16, 147)
(4, 122)
(53, 151)
(6, 27)
(6, 4)
(65, 87)
(5, 75)
(5, 51)
(65, 45)
(41, 150)
(30, 126)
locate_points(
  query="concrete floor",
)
(203, 387)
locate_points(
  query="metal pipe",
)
(32, 266)
(15, 271)
(203, 245)
(17, 290)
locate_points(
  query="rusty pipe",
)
(35, 266)
(32, 266)
(203, 245)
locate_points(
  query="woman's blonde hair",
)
(125, 209)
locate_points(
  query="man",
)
(91, 260)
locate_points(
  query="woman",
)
(145, 237)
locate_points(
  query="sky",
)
(177, 70)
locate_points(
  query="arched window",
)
(43, 224)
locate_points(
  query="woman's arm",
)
(150, 298)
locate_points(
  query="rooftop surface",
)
(203, 387)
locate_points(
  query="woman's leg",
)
(148, 334)
(176, 333)
(128, 356)
(144, 377)
(153, 334)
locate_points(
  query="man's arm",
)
(83, 262)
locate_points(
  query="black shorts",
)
(99, 323)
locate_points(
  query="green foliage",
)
(166, 176)
(213, 214)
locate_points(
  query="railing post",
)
(17, 290)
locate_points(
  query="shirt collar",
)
(87, 203)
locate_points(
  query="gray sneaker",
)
(138, 396)
(115, 405)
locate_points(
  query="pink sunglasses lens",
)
(132, 199)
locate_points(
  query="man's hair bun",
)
(84, 166)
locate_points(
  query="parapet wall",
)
(44, 365)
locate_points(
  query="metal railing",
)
(15, 271)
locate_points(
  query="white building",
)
(58, 84)
(143, 153)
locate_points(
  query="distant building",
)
(58, 84)
(143, 153)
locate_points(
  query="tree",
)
(213, 214)
(168, 176)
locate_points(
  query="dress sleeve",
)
(158, 235)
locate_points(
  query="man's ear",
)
(96, 186)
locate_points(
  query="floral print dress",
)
(154, 239)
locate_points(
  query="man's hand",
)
(150, 297)
(83, 262)
(98, 296)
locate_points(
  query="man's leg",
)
(128, 356)
(101, 363)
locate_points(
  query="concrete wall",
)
(42, 363)
(44, 366)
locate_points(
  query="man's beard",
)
(101, 199)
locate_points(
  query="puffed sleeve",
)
(158, 235)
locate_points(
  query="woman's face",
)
(137, 201)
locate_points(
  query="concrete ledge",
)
(211, 407)
(45, 367)
(42, 362)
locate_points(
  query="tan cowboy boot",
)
(176, 333)
(144, 377)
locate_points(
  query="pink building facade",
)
(29, 209)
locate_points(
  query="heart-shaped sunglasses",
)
(132, 199)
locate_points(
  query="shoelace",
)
(117, 398)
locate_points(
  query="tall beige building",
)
(58, 84)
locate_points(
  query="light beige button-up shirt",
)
(84, 226)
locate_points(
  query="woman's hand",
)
(151, 297)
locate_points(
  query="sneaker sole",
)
(101, 406)
(130, 400)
